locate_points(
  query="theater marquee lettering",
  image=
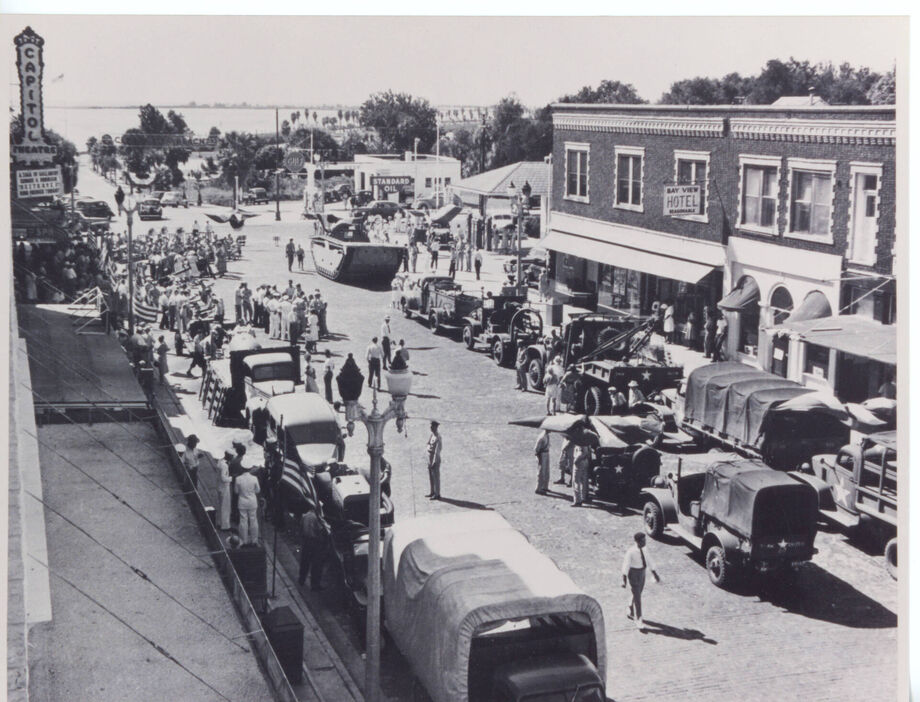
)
(33, 147)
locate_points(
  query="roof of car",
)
(301, 408)
(266, 359)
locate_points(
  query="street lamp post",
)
(277, 173)
(399, 383)
(519, 204)
(130, 207)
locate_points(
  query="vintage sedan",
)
(150, 208)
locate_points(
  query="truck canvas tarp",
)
(736, 491)
(450, 578)
(736, 400)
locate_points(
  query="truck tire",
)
(595, 402)
(646, 462)
(433, 323)
(535, 374)
(498, 352)
(717, 566)
(654, 520)
(469, 339)
(891, 557)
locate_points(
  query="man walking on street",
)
(541, 451)
(434, 462)
(328, 372)
(314, 535)
(477, 263)
(635, 563)
(385, 341)
(520, 365)
(580, 477)
(373, 356)
(290, 250)
(247, 490)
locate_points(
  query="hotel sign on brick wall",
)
(682, 200)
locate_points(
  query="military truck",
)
(607, 351)
(439, 301)
(743, 516)
(857, 489)
(481, 616)
(498, 324)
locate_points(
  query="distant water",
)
(78, 124)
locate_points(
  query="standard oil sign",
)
(682, 200)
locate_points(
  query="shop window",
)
(759, 194)
(692, 168)
(629, 177)
(817, 361)
(811, 200)
(576, 172)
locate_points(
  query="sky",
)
(306, 61)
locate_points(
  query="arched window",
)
(780, 304)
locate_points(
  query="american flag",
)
(298, 482)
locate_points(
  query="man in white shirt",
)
(385, 341)
(373, 356)
(635, 563)
(247, 489)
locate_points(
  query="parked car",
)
(256, 196)
(174, 199)
(150, 208)
(384, 208)
(361, 198)
(743, 516)
(157, 194)
(429, 203)
(95, 211)
(502, 221)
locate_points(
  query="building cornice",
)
(640, 124)
(836, 131)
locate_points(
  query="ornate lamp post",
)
(519, 205)
(399, 383)
(130, 207)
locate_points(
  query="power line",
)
(118, 498)
(137, 571)
(162, 651)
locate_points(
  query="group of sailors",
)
(286, 314)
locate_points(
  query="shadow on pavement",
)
(677, 633)
(466, 504)
(817, 594)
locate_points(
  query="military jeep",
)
(743, 516)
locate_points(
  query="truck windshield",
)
(314, 433)
(275, 371)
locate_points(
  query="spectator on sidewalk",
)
(328, 373)
(434, 463)
(709, 331)
(247, 490)
(223, 484)
(520, 366)
(566, 458)
(162, 359)
(191, 458)
(385, 341)
(541, 451)
(580, 476)
(477, 263)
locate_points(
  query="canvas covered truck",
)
(741, 515)
(481, 615)
(439, 301)
(761, 415)
(857, 488)
(499, 322)
(607, 351)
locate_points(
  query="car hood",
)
(312, 455)
(274, 387)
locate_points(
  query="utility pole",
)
(277, 172)
(437, 176)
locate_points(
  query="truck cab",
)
(266, 375)
(742, 515)
(568, 677)
(501, 328)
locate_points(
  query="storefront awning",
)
(747, 293)
(814, 306)
(626, 257)
(857, 336)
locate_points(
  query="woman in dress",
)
(667, 323)
(312, 333)
(309, 372)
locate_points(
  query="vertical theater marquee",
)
(32, 153)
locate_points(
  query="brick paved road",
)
(832, 638)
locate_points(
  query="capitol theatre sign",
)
(33, 148)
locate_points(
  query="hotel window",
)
(692, 168)
(427, 182)
(629, 177)
(811, 200)
(865, 179)
(759, 194)
(576, 172)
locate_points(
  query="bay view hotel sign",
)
(32, 153)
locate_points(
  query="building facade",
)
(395, 177)
(771, 214)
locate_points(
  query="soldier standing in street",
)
(541, 451)
(385, 341)
(314, 535)
(520, 365)
(434, 462)
(290, 250)
(580, 477)
(565, 462)
(635, 563)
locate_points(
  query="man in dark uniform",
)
(314, 545)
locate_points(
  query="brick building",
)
(791, 219)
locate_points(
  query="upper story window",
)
(629, 161)
(576, 171)
(427, 182)
(862, 242)
(692, 168)
(447, 181)
(759, 194)
(811, 200)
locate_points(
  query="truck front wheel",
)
(891, 558)
(595, 401)
(535, 374)
(468, 339)
(433, 323)
(498, 352)
(654, 520)
(717, 566)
